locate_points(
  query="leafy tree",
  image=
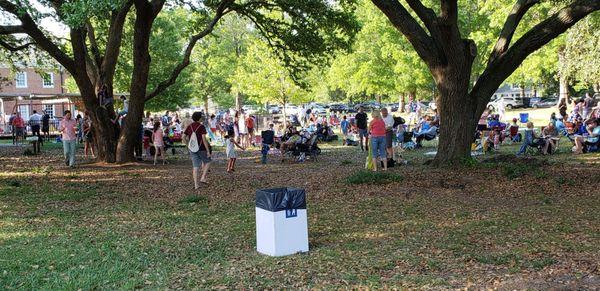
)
(381, 62)
(310, 29)
(441, 39)
(166, 48)
(265, 78)
(581, 53)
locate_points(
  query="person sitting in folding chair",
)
(531, 140)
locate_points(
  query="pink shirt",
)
(157, 137)
(67, 126)
(377, 127)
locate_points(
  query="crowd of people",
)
(580, 127)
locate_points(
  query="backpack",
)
(193, 145)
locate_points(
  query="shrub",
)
(369, 177)
(346, 162)
(193, 198)
(13, 183)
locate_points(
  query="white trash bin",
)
(281, 221)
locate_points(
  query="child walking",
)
(157, 140)
(230, 144)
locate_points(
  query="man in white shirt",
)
(389, 132)
(35, 121)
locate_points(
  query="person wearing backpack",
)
(199, 148)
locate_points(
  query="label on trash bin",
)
(289, 213)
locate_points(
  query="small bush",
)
(28, 152)
(193, 198)
(13, 183)
(369, 177)
(346, 162)
(513, 171)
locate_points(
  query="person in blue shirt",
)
(590, 142)
(345, 126)
(560, 126)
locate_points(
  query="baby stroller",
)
(306, 147)
(406, 139)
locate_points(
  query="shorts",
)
(20, 131)
(363, 133)
(378, 147)
(389, 137)
(45, 128)
(35, 129)
(199, 157)
(250, 130)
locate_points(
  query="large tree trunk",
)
(238, 101)
(457, 115)
(130, 134)
(402, 102)
(563, 89)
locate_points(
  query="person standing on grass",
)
(199, 148)
(159, 144)
(46, 125)
(35, 121)
(88, 140)
(19, 125)
(345, 126)
(361, 124)
(68, 129)
(388, 119)
(230, 145)
(377, 130)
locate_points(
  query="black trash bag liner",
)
(279, 199)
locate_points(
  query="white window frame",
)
(44, 85)
(24, 112)
(24, 84)
(52, 109)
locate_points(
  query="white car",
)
(318, 109)
(291, 109)
(250, 109)
(509, 103)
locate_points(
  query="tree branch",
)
(505, 64)
(401, 19)
(113, 43)
(93, 44)
(41, 40)
(219, 13)
(449, 11)
(510, 26)
(13, 48)
(11, 29)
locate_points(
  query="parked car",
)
(250, 109)
(509, 103)
(393, 107)
(273, 109)
(291, 109)
(338, 108)
(544, 102)
(318, 109)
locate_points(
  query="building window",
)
(515, 86)
(24, 110)
(21, 80)
(48, 80)
(49, 109)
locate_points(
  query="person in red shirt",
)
(250, 126)
(377, 130)
(19, 126)
(202, 158)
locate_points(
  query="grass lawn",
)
(498, 223)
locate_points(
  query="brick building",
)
(33, 89)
